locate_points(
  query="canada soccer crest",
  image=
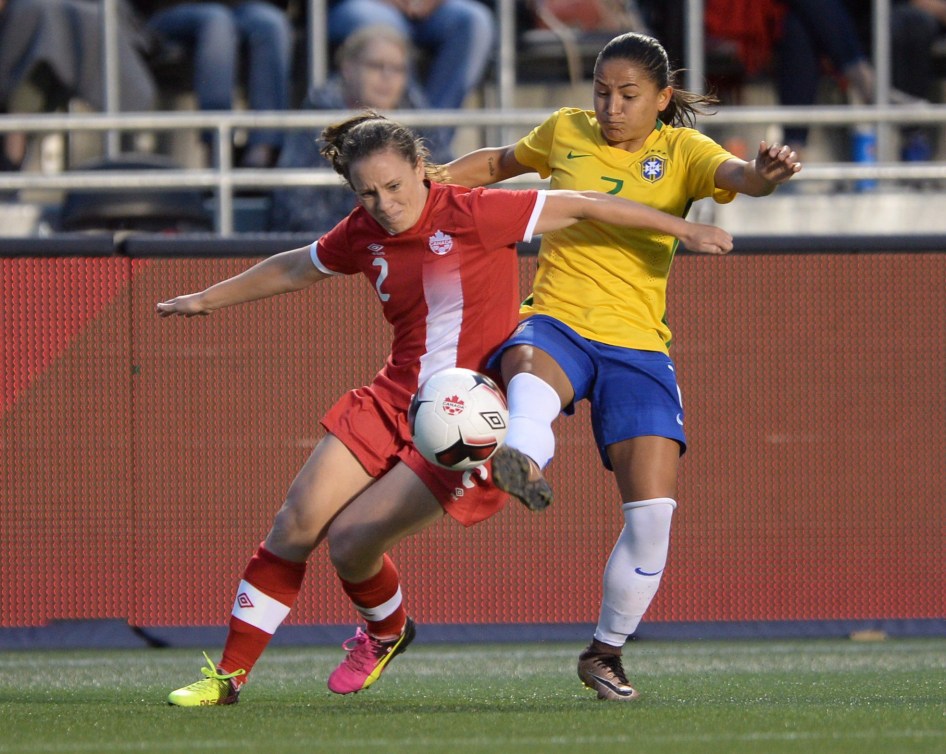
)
(440, 243)
(652, 169)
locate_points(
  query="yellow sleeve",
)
(704, 156)
(533, 150)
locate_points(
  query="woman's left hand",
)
(776, 163)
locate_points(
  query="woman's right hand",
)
(706, 239)
(190, 305)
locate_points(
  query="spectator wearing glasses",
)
(456, 38)
(373, 72)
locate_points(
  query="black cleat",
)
(517, 474)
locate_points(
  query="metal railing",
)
(224, 179)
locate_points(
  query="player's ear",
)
(664, 97)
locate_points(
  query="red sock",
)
(378, 600)
(268, 590)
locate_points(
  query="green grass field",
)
(764, 696)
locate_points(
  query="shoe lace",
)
(612, 663)
(363, 651)
(211, 672)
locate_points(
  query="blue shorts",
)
(633, 393)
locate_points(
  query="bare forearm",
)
(288, 271)
(617, 211)
(773, 165)
(274, 275)
(753, 184)
(564, 208)
(484, 166)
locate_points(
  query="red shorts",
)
(377, 433)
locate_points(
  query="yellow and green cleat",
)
(216, 688)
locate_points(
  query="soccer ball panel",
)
(458, 418)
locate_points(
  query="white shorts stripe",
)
(383, 610)
(258, 609)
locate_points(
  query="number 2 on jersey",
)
(382, 265)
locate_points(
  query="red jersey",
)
(448, 286)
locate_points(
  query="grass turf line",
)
(707, 697)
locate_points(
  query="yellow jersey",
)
(608, 283)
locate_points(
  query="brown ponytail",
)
(368, 133)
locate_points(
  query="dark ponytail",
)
(648, 54)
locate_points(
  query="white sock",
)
(533, 406)
(633, 572)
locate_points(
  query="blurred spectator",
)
(457, 37)
(799, 36)
(215, 34)
(814, 30)
(50, 53)
(915, 27)
(373, 72)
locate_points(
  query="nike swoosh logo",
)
(642, 572)
(616, 689)
(571, 156)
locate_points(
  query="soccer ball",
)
(458, 418)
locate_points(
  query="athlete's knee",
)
(648, 521)
(351, 547)
(524, 359)
(296, 525)
(533, 406)
(515, 360)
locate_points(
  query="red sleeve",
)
(503, 216)
(332, 252)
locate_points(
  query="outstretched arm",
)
(564, 208)
(485, 166)
(773, 166)
(281, 273)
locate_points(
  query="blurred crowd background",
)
(396, 55)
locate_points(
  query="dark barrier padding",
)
(145, 245)
(115, 634)
(814, 244)
(209, 245)
(60, 245)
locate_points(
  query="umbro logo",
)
(243, 600)
(572, 156)
(376, 249)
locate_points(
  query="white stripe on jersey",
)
(443, 292)
(536, 211)
(258, 609)
(314, 256)
(383, 610)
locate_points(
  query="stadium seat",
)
(156, 210)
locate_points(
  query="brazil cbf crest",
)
(652, 169)
(440, 243)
